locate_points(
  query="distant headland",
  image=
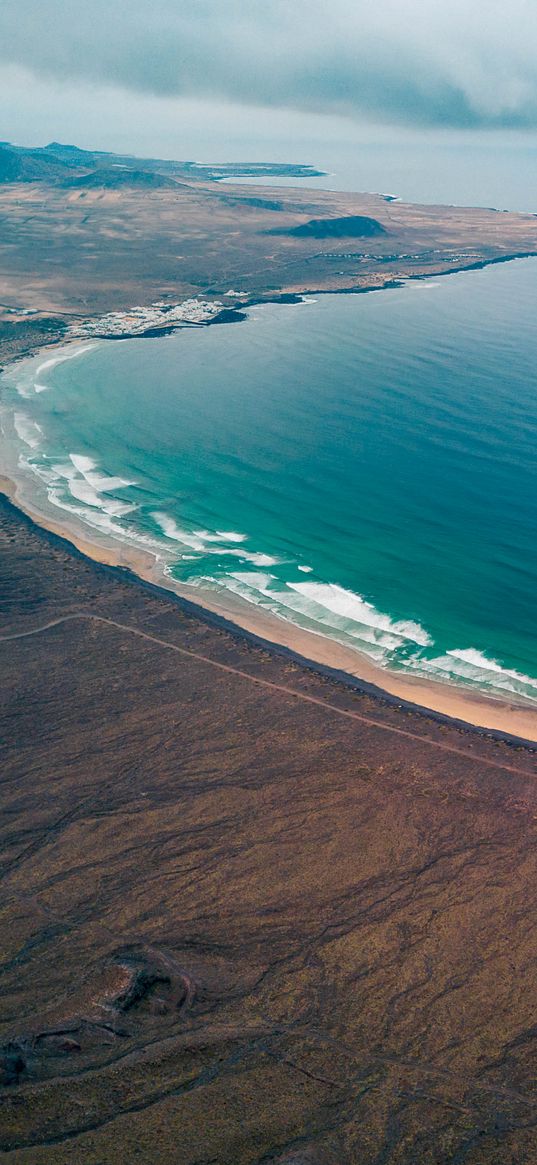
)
(92, 236)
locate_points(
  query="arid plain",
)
(72, 254)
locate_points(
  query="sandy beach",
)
(507, 717)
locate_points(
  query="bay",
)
(363, 466)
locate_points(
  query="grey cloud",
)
(454, 63)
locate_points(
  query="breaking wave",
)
(88, 487)
(79, 486)
(348, 618)
(27, 430)
(206, 542)
(54, 360)
(472, 668)
(358, 610)
(28, 378)
(327, 609)
(75, 480)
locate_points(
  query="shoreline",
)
(507, 720)
(512, 719)
(236, 313)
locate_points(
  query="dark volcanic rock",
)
(141, 985)
(356, 226)
(261, 203)
(12, 1066)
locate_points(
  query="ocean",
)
(480, 171)
(361, 465)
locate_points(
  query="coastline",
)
(515, 719)
(507, 719)
(236, 312)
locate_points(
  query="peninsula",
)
(88, 234)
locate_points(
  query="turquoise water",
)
(361, 465)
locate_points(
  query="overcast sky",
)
(180, 74)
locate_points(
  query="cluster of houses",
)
(139, 320)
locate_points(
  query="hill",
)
(30, 166)
(118, 177)
(357, 226)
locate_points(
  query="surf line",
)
(487, 761)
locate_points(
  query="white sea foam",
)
(101, 482)
(25, 389)
(49, 476)
(84, 492)
(221, 536)
(82, 463)
(324, 607)
(255, 579)
(354, 607)
(203, 541)
(25, 376)
(119, 508)
(476, 659)
(105, 484)
(56, 477)
(289, 603)
(95, 518)
(27, 430)
(257, 558)
(306, 569)
(78, 473)
(64, 469)
(65, 355)
(473, 667)
(349, 619)
(174, 532)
